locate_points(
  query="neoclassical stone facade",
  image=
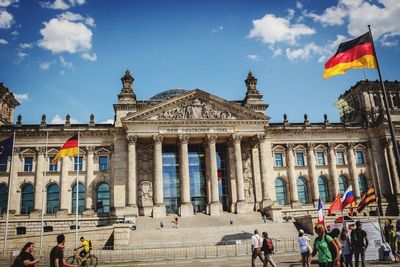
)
(187, 151)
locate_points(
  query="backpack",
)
(332, 250)
(90, 245)
(268, 244)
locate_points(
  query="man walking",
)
(57, 254)
(359, 243)
(256, 244)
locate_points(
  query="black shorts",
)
(83, 253)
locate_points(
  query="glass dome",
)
(168, 94)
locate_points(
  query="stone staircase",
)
(202, 228)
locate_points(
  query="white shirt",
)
(303, 243)
(256, 241)
(398, 236)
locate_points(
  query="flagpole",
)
(391, 128)
(77, 199)
(9, 197)
(43, 192)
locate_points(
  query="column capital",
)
(90, 150)
(41, 150)
(310, 147)
(260, 138)
(290, 146)
(183, 139)
(132, 139)
(235, 138)
(211, 138)
(332, 146)
(351, 145)
(158, 139)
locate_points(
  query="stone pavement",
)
(282, 260)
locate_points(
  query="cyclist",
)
(85, 250)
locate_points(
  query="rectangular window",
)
(320, 158)
(278, 160)
(103, 163)
(76, 163)
(28, 164)
(3, 164)
(360, 157)
(52, 167)
(299, 158)
(340, 158)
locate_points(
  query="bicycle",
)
(91, 260)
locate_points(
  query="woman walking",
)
(305, 249)
(347, 254)
(323, 245)
(25, 257)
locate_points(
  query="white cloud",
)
(14, 33)
(299, 5)
(90, 22)
(3, 42)
(58, 120)
(220, 28)
(21, 97)
(26, 45)
(271, 30)
(6, 19)
(66, 63)
(6, 3)
(65, 36)
(22, 55)
(108, 121)
(253, 57)
(277, 52)
(45, 65)
(61, 4)
(70, 16)
(305, 52)
(332, 16)
(89, 57)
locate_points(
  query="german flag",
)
(368, 197)
(354, 54)
(69, 149)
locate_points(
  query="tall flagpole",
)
(9, 197)
(391, 128)
(77, 199)
(43, 192)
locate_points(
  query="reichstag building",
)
(187, 151)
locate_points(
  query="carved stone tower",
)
(8, 103)
(253, 99)
(126, 99)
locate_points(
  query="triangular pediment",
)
(195, 105)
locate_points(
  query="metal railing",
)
(172, 251)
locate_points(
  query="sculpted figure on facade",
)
(196, 109)
(146, 192)
(145, 162)
(247, 173)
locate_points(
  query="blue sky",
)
(67, 56)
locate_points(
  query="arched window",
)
(302, 190)
(27, 198)
(3, 198)
(53, 198)
(280, 188)
(103, 198)
(323, 189)
(342, 185)
(81, 198)
(362, 182)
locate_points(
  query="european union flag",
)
(6, 147)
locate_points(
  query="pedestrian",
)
(305, 249)
(392, 242)
(25, 257)
(386, 229)
(176, 221)
(256, 244)
(268, 249)
(335, 236)
(323, 245)
(57, 254)
(347, 253)
(359, 243)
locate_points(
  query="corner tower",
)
(253, 99)
(126, 99)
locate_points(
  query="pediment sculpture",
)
(196, 109)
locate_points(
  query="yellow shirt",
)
(85, 245)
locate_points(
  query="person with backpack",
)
(305, 249)
(268, 249)
(25, 257)
(359, 243)
(323, 245)
(87, 246)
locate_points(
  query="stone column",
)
(186, 208)
(292, 176)
(215, 206)
(393, 167)
(64, 203)
(265, 177)
(332, 169)
(313, 173)
(132, 208)
(353, 170)
(39, 190)
(241, 206)
(232, 177)
(89, 180)
(158, 196)
(13, 186)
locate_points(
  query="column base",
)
(315, 203)
(241, 207)
(215, 208)
(186, 210)
(131, 210)
(88, 213)
(35, 214)
(159, 211)
(266, 203)
(62, 213)
(296, 205)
